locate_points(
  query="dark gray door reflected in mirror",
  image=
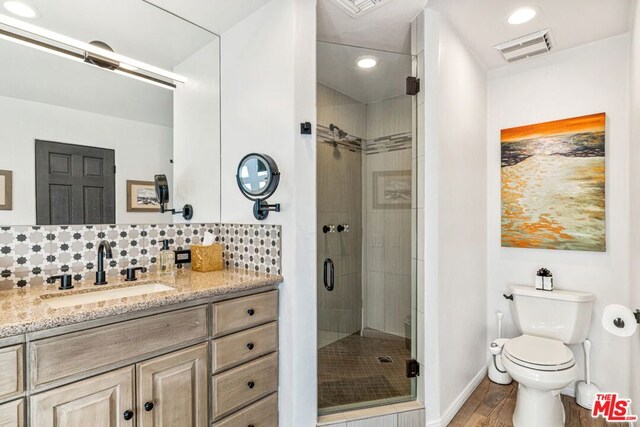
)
(75, 184)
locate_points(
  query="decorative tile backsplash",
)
(30, 254)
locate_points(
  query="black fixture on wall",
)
(258, 178)
(162, 192)
(305, 128)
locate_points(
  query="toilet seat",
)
(539, 354)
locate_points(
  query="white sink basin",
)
(106, 295)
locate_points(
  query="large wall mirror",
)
(97, 97)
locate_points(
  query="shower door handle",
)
(329, 274)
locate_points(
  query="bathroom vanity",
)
(204, 352)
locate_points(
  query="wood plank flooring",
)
(492, 405)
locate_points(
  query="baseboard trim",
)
(455, 406)
(569, 390)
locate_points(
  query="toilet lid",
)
(538, 353)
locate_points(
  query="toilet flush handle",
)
(508, 296)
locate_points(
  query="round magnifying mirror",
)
(258, 176)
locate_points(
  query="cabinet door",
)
(12, 414)
(103, 401)
(172, 389)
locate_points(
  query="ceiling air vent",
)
(357, 8)
(526, 46)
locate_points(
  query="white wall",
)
(634, 192)
(584, 80)
(454, 215)
(268, 88)
(197, 135)
(142, 150)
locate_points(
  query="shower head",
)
(337, 132)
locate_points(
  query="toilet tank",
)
(561, 315)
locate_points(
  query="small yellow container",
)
(206, 258)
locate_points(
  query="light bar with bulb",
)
(45, 40)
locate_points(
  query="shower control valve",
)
(328, 228)
(343, 228)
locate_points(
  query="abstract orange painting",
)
(553, 185)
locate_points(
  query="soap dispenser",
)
(166, 260)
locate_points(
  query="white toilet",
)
(539, 360)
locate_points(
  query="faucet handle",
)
(66, 281)
(131, 273)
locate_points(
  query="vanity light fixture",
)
(21, 9)
(26, 34)
(522, 15)
(367, 62)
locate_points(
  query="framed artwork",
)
(392, 189)
(553, 185)
(6, 190)
(141, 197)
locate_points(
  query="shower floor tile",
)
(349, 370)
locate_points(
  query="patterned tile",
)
(71, 249)
(23, 258)
(28, 255)
(125, 242)
(253, 247)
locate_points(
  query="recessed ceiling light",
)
(522, 15)
(21, 9)
(367, 62)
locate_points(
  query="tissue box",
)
(206, 258)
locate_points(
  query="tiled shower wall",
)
(30, 254)
(387, 245)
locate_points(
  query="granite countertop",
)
(26, 310)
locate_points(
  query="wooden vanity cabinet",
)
(12, 414)
(199, 364)
(106, 400)
(172, 389)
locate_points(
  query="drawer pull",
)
(148, 406)
(250, 425)
(127, 415)
(251, 384)
(251, 312)
(250, 346)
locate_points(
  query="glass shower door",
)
(365, 182)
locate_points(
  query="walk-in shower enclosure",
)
(366, 187)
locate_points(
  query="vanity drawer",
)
(261, 414)
(11, 369)
(243, 313)
(240, 386)
(64, 356)
(12, 414)
(243, 346)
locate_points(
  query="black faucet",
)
(104, 251)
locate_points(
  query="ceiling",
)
(337, 69)
(388, 27)
(215, 15)
(482, 24)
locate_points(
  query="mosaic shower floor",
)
(349, 370)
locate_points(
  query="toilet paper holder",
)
(619, 323)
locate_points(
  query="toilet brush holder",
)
(586, 390)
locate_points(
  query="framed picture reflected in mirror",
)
(6, 190)
(141, 196)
